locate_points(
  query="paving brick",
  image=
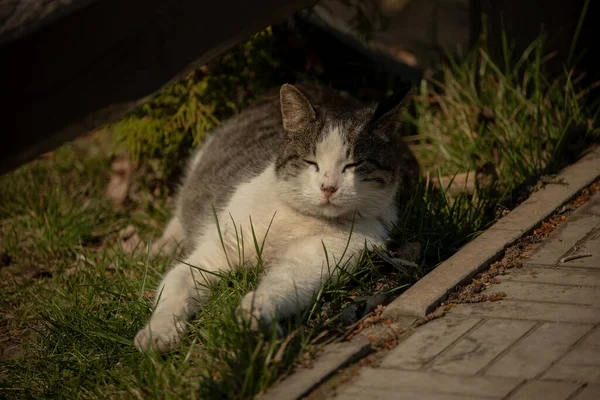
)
(545, 390)
(549, 293)
(538, 350)
(590, 392)
(581, 364)
(427, 342)
(531, 311)
(359, 393)
(478, 348)
(583, 355)
(433, 382)
(573, 373)
(587, 352)
(563, 239)
(554, 275)
(427, 293)
(434, 364)
(590, 246)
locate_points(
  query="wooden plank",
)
(20, 17)
(95, 64)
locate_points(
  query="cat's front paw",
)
(165, 247)
(256, 312)
(159, 336)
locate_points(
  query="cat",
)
(305, 168)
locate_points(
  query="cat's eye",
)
(312, 163)
(356, 164)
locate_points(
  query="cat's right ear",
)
(296, 110)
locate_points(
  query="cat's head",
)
(338, 161)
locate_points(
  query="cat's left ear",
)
(296, 110)
(390, 115)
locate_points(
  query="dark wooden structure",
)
(70, 66)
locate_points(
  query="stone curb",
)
(425, 295)
(335, 357)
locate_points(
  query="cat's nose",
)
(328, 190)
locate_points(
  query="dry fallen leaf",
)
(120, 181)
(148, 295)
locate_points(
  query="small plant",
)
(514, 117)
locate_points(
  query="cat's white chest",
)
(255, 211)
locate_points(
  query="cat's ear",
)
(390, 115)
(296, 110)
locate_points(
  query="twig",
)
(279, 355)
(398, 262)
(575, 257)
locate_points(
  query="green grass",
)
(76, 321)
(178, 118)
(79, 322)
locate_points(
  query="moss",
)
(177, 119)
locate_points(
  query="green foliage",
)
(514, 123)
(80, 317)
(176, 120)
(514, 117)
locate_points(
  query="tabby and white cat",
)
(315, 168)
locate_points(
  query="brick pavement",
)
(542, 341)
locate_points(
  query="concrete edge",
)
(335, 357)
(477, 255)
